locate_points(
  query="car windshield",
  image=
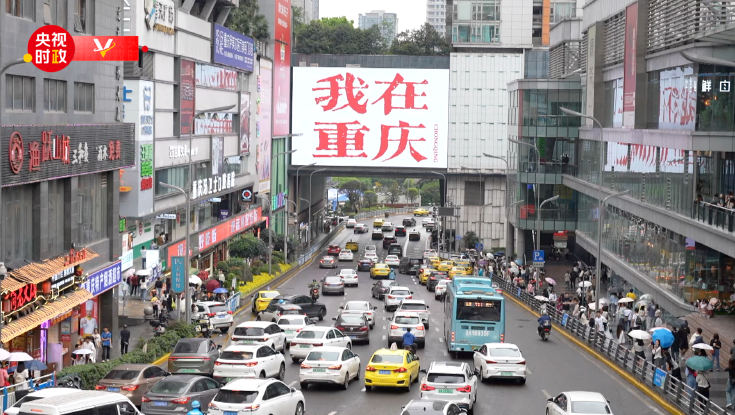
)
(584, 407)
(229, 396)
(291, 321)
(311, 334)
(388, 358)
(327, 356)
(442, 283)
(122, 374)
(188, 346)
(387, 283)
(268, 295)
(370, 248)
(445, 378)
(236, 355)
(354, 319)
(170, 386)
(381, 266)
(413, 307)
(357, 306)
(218, 309)
(249, 331)
(504, 352)
(406, 320)
(332, 280)
(400, 292)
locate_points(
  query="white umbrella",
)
(646, 297)
(4, 354)
(541, 298)
(714, 301)
(658, 328)
(625, 300)
(593, 306)
(639, 335)
(19, 357)
(703, 346)
(194, 279)
(82, 351)
(585, 284)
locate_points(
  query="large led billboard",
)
(370, 117)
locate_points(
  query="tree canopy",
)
(353, 190)
(246, 19)
(424, 41)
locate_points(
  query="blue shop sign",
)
(104, 279)
(233, 49)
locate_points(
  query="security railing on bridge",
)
(714, 215)
(657, 380)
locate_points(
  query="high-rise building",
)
(436, 14)
(307, 8)
(386, 21)
(315, 9)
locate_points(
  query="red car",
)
(333, 250)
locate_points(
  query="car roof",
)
(247, 384)
(395, 256)
(435, 404)
(259, 324)
(400, 287)
(410, 301)
(586, 396)
(357, 301)
(400, 352)
(501, 346)
(268, 291)
(448, 367)
(331, 276)
(193, 340)
(327, 349)
(347, 269)
(316, 328)
(49, 392)
(289, 306)
(71, 402)
(242, 348)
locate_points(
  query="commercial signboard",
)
(629, 64)
(214, 123)
(230, 228)
(678, 98)
(371, 117)
(127, 257)
(187, 95)
(233, 49)
(244, 123)
(104, 279)
(218, 156)
(264, 126)
(45, 152)
(282, 68)
(216, 77)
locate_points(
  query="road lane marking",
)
(363, 389)
(436, 328)
(384, 337)
(332, 413)
(445, 352)
(529, 372)
(441, 339)
(546, 393)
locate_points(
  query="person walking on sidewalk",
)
(650, 316)
(106, 343)
(134, 285)
(716, 345)
(657, 353)
(124, 339)
(567, 279)
(730, 391)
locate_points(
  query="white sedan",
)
(349, 277)
(346, 255)
(251, 396)
(371, 255)
(329, 365)
(501, 360)
(317, 336)
(293, 324)
(370, 248)
(429, 253)
(392, 260)
(578, 403)
(249, 361)
(427, 221)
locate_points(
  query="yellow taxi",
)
(466, 265)
(456, 271)
(445, 266)
(352, 246)
(434, 261)
(392, 368)
(379, 270)
(262, 299)
(424, 276)
(420, 212)
(378, 223)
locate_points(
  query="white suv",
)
(416, 306)
(219, 315)
(249, 361)
(395, 295)
(251, 332)
(450, 381)
(401, 323)
(350, 223)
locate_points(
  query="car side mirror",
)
(334, 318)
(293, 390)
(422, 371)
(341, 306)
(411, 292)
(550, 400)
(219, 346)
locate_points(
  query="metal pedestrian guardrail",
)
(658, 381)
(8, 392)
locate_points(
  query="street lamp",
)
(310, 191)
(482, 219)
(298, 188)
(538, 228)
(446, 197)
(187, 259)
(507, 223)
(270, 231)
(598, 266)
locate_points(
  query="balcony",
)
(718, 216)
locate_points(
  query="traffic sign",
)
(538, 258)
(479, 247)
(458, 237)
(178, 274)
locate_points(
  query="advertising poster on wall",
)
(218, 156)
(126, 258)
(187, 95)
(591, 72)
(677, 99)
(629, 64)
(371, 117)
(245, 123)
(214, 123)
(216, 77)
(90, 317)
(233, 49)
(282, 68)
(265, 89)
(138, 110)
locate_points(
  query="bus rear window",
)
(478, 310)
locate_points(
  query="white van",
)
(34, 395)
(81, 403)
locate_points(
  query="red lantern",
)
(7, 307)
(46, 287)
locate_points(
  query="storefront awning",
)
(41, 271)
(46, 312)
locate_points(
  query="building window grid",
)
(21, 93)
(54, 95)
(83, 97)
(25, 9)
(92, 193)
(475, 32)
(614, 39)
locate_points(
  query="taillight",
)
(363, 329)
(467, 389)
(426, 387)
(229, 312)
(212, 406)
(502, 338)
(393, 327)
(145, 399)
(419, 327)
(490, 362)
(212, 314)
(369, 369)
(318, 344)
(390, 296)
(181, 401)
(305, 366)
(217, 364)
(401, 370)
(251, 364)
(250, 408)
(130, 388)
(340, 328)
(409, 297)
(298, 331)
(335, 367)
(452, 336)
(293, 344)
(522, 362)
(100, 387)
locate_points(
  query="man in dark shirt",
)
(124, 339)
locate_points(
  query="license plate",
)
(319, 370)
(248, 341)
(507, 373)
(384, 372)
(305, 346)
(113, 389)
(221, 316)
(230, 413)
(446, 390)
(159, 403)
(289, 331)
(187, 370)
(405, 328)
(353, 337)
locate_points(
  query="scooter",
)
(159, 328)
(545, 332)
(314, 294)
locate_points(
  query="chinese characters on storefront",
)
(368, 117)
(229, 228)
(146, 166)
(206, 187)
(176, 152)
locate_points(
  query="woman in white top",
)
(657, 353)
(21, 377)
(97, 340)
(89, 345)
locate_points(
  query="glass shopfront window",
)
(716, 98)
(176, 176)
(18, 225)
(92, 194)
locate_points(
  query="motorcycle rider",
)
(195, 409)
(314, 286)
(409, 340)
(543, 322)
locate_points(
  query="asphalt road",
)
(555, 366)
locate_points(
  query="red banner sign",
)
(106, 48)
(229, 228)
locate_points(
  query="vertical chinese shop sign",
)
(186, 95)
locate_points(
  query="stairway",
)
(530, 244)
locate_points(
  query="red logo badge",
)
(50, 48)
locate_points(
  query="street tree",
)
(430, 193)
(353, 190)
(424, 41)
(337, 36)
(248, 247)
(370, 198)
(246, 19)
(470, 239)
(393, 193)
(412, 194)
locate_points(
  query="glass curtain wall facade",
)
(476, 21)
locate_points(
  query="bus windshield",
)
(478, 310)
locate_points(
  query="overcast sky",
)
(411, 13)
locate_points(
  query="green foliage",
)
(337, 36)
(470, 239)
(430, 193)
(412, 194)
(424, 41)
(370, 198)
(393, 193)
(246, 19)
(247, 246)
(156, 348)
(353, 190)
(278, 257)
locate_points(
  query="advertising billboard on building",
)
(233, 49)
(187, 95)
(245, 123)
(216, 77)
(264, 127)
(371, 117)
(629, 64)
(214, 123)
(282, 68)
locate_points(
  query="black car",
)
(434, 278)
(356, 326)
(388, 240)
(395, 249)
(407, 263)
(409, 222)
(364, 265)
(312, 309)
(377, 234)
(400, 231)
(381, 287)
